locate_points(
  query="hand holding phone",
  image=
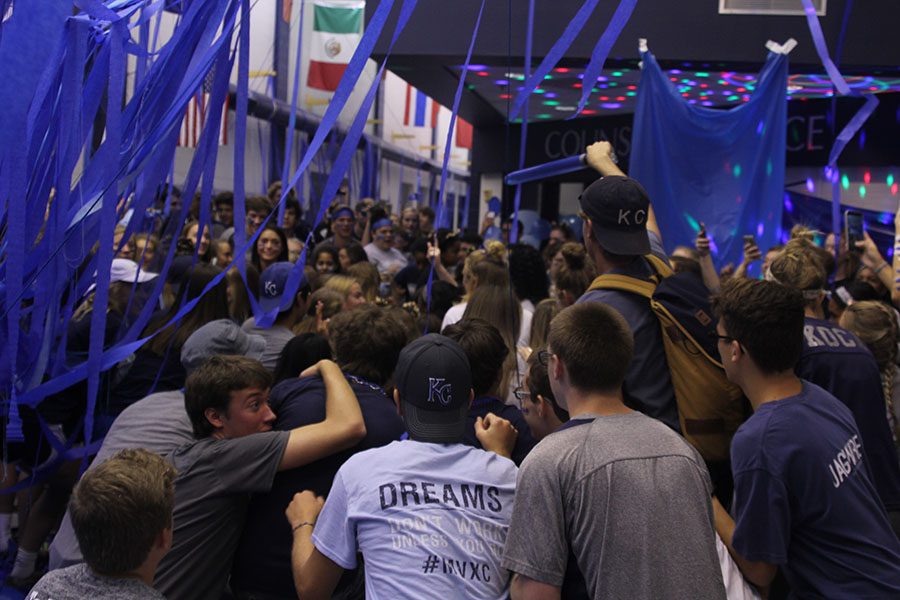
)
(853, 224)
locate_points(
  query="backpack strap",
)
(624, 283)
(659, 265)
(640, 287)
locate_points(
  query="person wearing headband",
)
(342, 227)
(381, 252)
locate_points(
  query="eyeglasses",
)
(715, 335)
(522, 395)
(544, 357)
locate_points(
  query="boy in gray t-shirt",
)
(617, 492)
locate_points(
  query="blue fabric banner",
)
(723, 168)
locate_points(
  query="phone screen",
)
(854, 225)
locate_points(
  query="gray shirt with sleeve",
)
(78, 582)
(648, 385)
(212, 491)
(630, 498)
(158, 423)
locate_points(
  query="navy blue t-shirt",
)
(804, 499)
(488, 404)
(837, 361)
(648, 383)
(263, 559)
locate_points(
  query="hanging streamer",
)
(442, 205)
(855, 123)
(523, 136)
(292, 119)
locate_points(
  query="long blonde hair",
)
(498, 306)
(876, 325)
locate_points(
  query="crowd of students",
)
(528, 445)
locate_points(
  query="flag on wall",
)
(463, 134)
(195, 119)
(337, 27)
(420, 109)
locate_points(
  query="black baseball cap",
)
(434, 381)
(618, 207)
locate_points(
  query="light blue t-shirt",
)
(429, 519)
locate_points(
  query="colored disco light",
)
(760, 229)
(862, 191)
(611, 105)
(550, 95)
(788, 205)
(482, 73)
(551, 103)
(890, 179)
(701, 74)
(885, 218)
(502, 82)
(692, 222)
(561, 70)
(760, 128)
(736, 170)
(894, 189)
(477, 67)
(616, 73)
(544, 116)
(810, 186)
(867, 177)
(845, 181)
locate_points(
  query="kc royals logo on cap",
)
(271, 289)
(439, 390)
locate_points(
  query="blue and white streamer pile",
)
(61, 199)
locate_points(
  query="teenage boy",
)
(235, 454)
(428, 514)
(612, 494)
(803, 494)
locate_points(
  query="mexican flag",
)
(337, 29)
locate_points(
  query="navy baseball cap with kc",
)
(434, 381)
(618, 207)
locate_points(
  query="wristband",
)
(881, 267)
(304, 523)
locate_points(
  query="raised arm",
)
(871, 257)
(707, 268)
(600, 158)
(342, 428)
(434, 255)
(751, 254)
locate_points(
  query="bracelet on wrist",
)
(880, 267)
(303, 524)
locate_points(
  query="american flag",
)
(195, 116)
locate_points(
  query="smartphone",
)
(749, 239)
(853, 225)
